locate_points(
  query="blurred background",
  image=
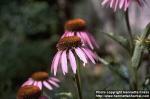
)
(30, 29)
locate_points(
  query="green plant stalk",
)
(78, 82)
(77, 78)
(136, 58)
(129, 31)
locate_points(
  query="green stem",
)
(77, 79)
(129, 29)
(136, 58)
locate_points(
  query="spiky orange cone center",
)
(75, 25)
(68, 42)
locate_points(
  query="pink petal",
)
(111, 3)
(81, 54)
(72, 61)
(54, 79)
(47, 85)
(116, 5)
(126, 4)
(79, 35)
(64, 62)
(93, 40)
(54, 83)
(93, 54)
(63, 35)
(39, 84)
(121, 3)
(87, 39)
(29, 82)
(56, 62)
(70, 34)
(35, 83)
(104, 2)
(89, 55)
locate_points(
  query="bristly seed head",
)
(40, 76)
(69, 42)
(29, 92)
(75, 25)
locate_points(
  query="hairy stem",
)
(129, 30)
(136, 58)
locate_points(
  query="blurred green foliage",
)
(29, 30)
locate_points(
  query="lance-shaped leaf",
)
(114, 70)
(119, 39)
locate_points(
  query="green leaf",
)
(119, 39)
(64, 94)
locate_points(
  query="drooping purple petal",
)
(87, 39)
(111, 3)
(53, 83)
(79, 35)
(126, 5)
(105, 2)
(29, 82)
(70, 34)
(56, 62)
(64, 62)
(64, 34)
(89, 55)
(35, 83)
(39, 84)
(54, 79)
(47, 85)
(92, 53)
(116, 5)
(121, 3)
(81, 54)
(72, 61)
(93, 40)
(82, 37)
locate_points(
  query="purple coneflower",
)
(42, 79)
(77, 27)
(121, 4)
(68, 48)
(29, 92)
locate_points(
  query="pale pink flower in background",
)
(121, 4)
(42, 79)
(68, 48)
(77, 27)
